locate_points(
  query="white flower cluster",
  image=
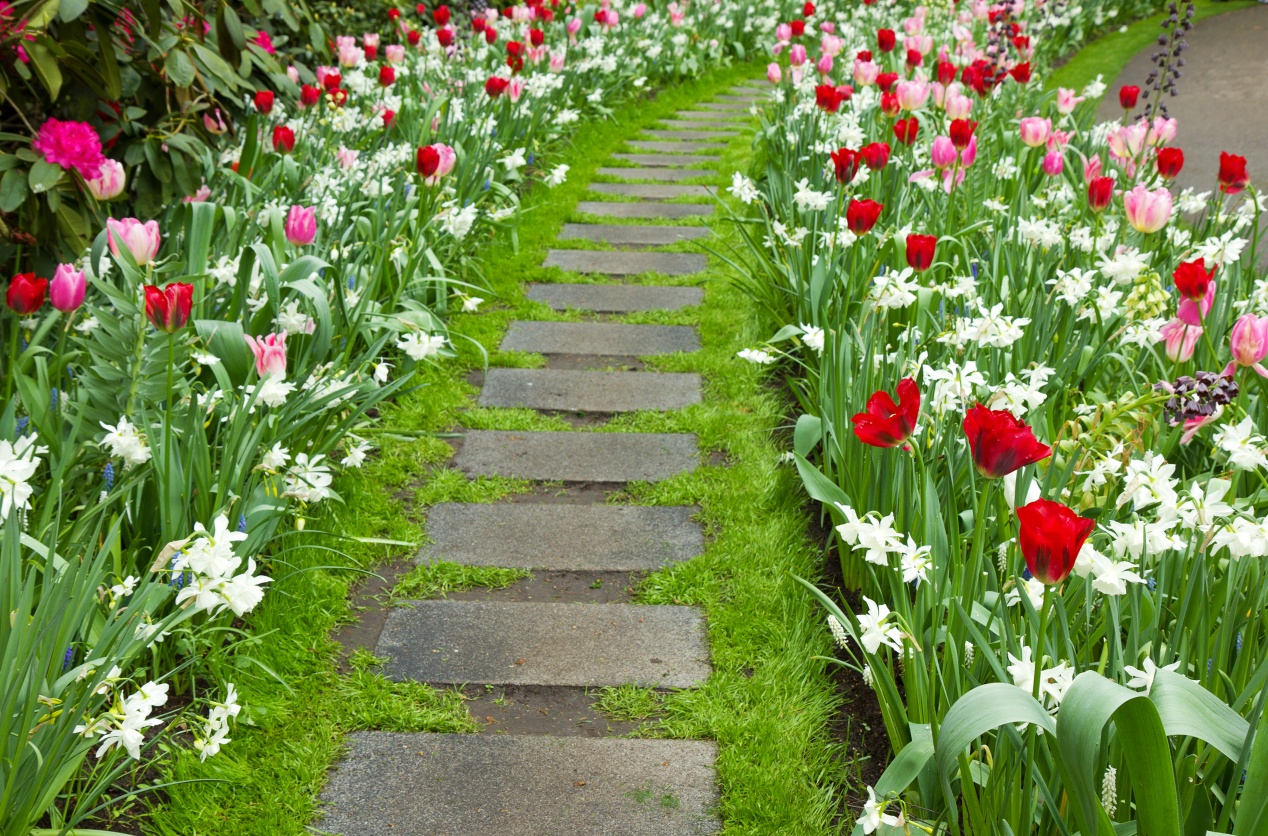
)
(205, 568)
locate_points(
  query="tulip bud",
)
(109, 182)
(1100, 191)
(1248, 343)
(301, 225)
(264, 101)
(1127, 96)
(1053, 163)
(773, 73)
(942, 152)
(168, 308)
(25, 294)
(142, 240)
(283, 139)
(66, 290)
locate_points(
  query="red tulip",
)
(389, 116)
(886, 81)
(444, 37)
(387, 76)
(920, 251)
(495, 86)
(168, 308)
(1021, 73)
(478, 23)
(339, 97)
(1192, 279)
(283, 139)
(914, 58)
(331, 81)
(309, 95)
(1127, 96)
(264, 101)
(808, 10)
(1170, 161)
(861, 215)
(889, 424)
(885, 40)
(1000, 443)
(1100, 191)
(413, 36)
(393, 14)
(961, 132)
(26, 293)
(946, 73)
(875, 154)
(371, 52)
(798, 28)
(828, 98)
(889, 104)
(864, 55)
(441, 15)
(536, 37)
(906, 129)
(428, 160)
(1233, 176)
(1051, 536)
(846, 164)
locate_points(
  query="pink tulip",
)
(969, 155)
(828, 27)
(1067, 101)
(773, 74)
(639, 11)
(1035, 131)
(1091, 168)
(446, 162)
(142, 240)
(942, 152)
(824, 66)
(66, 290)
(347, 157)
(1147, 211)
(1248, 343)
(350, 55)
(783, 32)
(1162, 131)
(958, 106)
(865, 72)
(1180, 339)
(1127, 141)
(573, 27)
(1053, 163)
(1191, 312)
(557, 61)
(217, 125)
(515, 89)
(912, 95)
(270, 354)
(797, 55)
(831, 45)
(395, 53)
(912, 25)
(200, 196)
(920, 43)
(109, 181)
(301, 225)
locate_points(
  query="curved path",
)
(1222, 102)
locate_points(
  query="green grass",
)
(769, 701)
(628, 703)
(1108, 55)
(435, 580)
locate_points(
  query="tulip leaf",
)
(1188, 709)
(1090, 703)
(902, 770)
(819, 487)
(981, 710)
(806, 434)
(226, 341)
(1252, 812)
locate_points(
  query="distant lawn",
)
(1107, 56)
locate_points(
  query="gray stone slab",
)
(577, 456)
(563, 538)
(698, 124)
(690, 135)
(521, 785)
(644, 210)
(719, 116)
(615, 298)
(633, 236)
(651, 191)
(625, 263)
(674, 147)
(586, 391)
(665, 159)
(527, 643)
(725, 106)
(742, 98)
(612, 339)
(657, 173)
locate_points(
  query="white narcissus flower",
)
(125, 441)
(743, 188)
(875, 629)
(812, 336)
(557, 176)
(1245, 447)
(18, 463)
(470, 304)
(1143, 680)
(420, 346)
(756, 355)
(874, 813)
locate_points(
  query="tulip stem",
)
(11, 373)
(167, 427)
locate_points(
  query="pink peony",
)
(71, 145)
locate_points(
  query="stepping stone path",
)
(538, 784)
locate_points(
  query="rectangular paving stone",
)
(625, 263)
(577, 456)
(627, 235)
(615, 298)
(644, 210)
(674, 147)
(694, 124)
(601, 338)
(563, 538)
(664, 159)
(745, 98)
(734, 107)
(690, 134)
(650, 191)
(721, 117)
(529, 643)
(586, 391)
(520, 785)
(658, 173)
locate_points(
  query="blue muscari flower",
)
(242, 523)
(107, 473)
(68, 658)
(1025, 574)
(52, 399)
(409, 189)
(352, 282)
(530, 157)
(486, 185)
(20, 430)
(1209, 662)
(178, 578)
(973, 268)
(1239, 641)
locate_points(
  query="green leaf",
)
(44, 176)
(233, 25)
(180, 69)
(1188, 709)
(68, 10)
(806, 434)
(46, 67)
(819, 487)
(13, 189)
(1252, 812)
(226, 341)
(110, 76)
(981, 710)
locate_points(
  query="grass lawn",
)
(1108, 55)
(769, 702)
